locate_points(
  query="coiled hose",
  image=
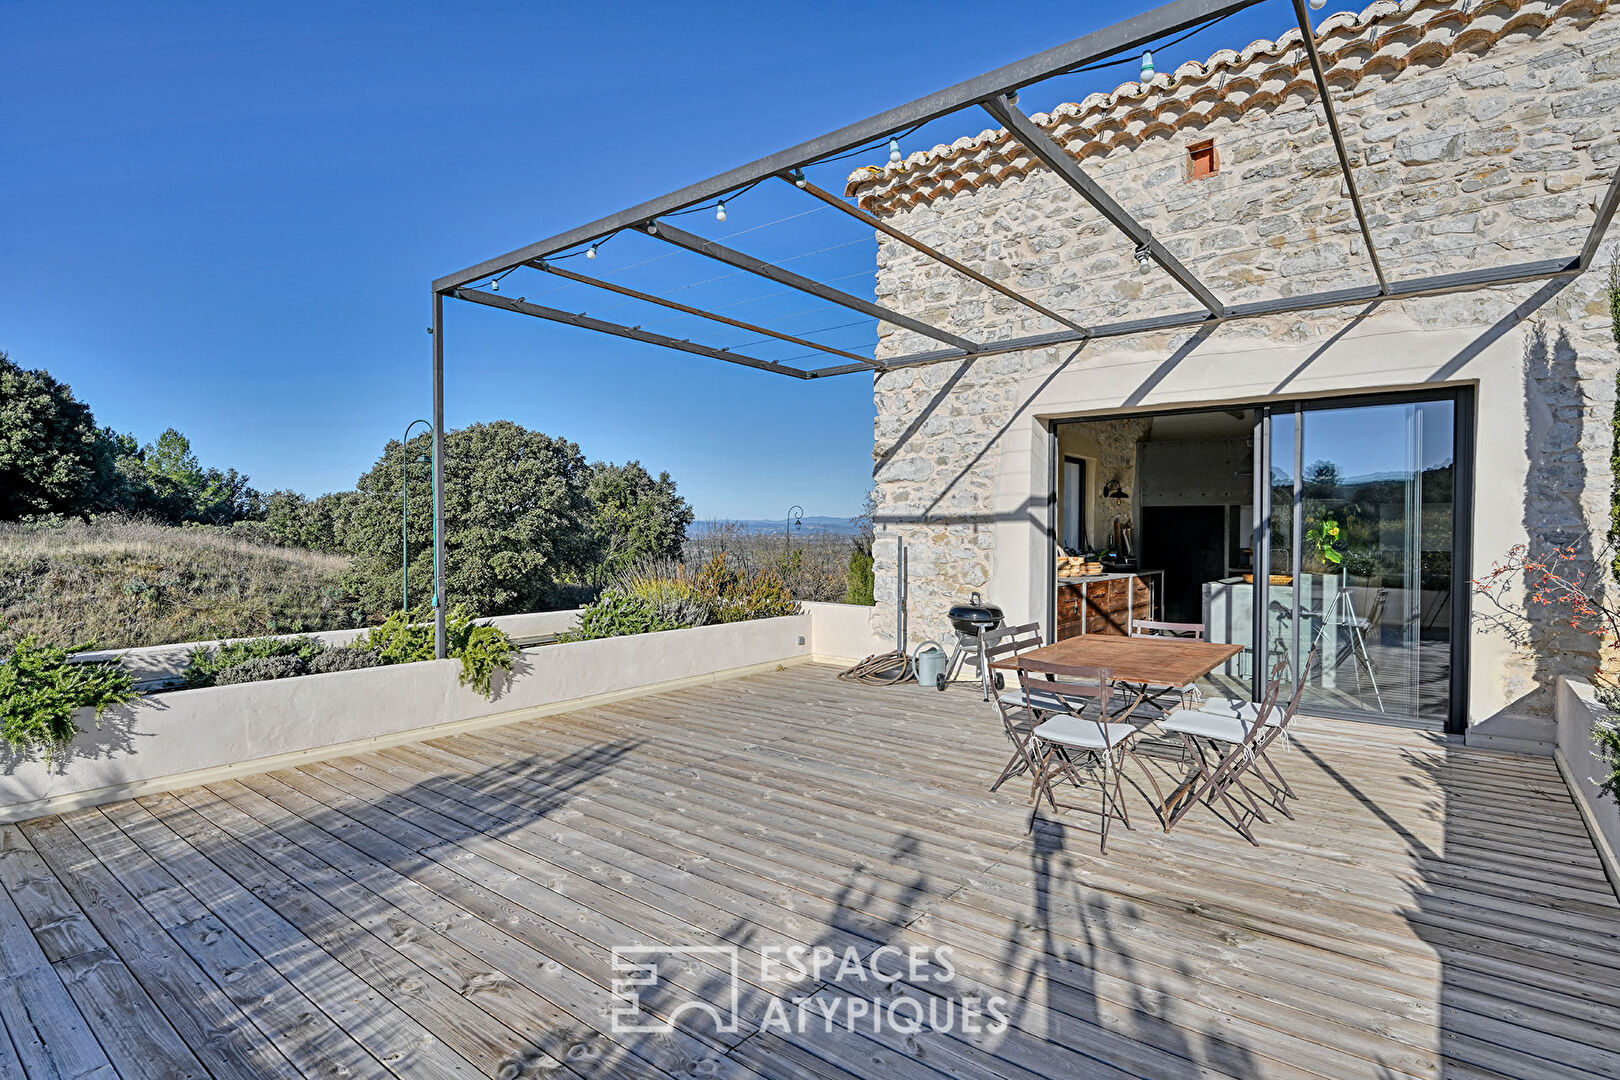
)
(881, 669)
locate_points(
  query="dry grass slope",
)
(126, 583)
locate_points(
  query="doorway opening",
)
(1341, 561)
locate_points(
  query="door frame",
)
(1464, 434)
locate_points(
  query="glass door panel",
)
(1369, 541)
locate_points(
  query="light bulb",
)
(894, 151)
(1143, 262)
(1147, 66)
(495, 286)
(1318, 5)
(591, 254)
(799, 178)
(720, 211)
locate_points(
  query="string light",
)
(798, 178)
(720, 211)
(1318, 5)
(894, 151)
(1143, 260)
(591, 253)
(1147, 66)
(495, 286)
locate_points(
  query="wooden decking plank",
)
(464, 1042)
(410, 908)
(45, 1033)
(307, 1034)
(1513, 924)
(1436, 910)
(391, 1037)
(137, 1037)
(182, 994)
(459, 742)
(576, 931)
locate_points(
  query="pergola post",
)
(440, 639)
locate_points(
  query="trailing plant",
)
(41, 689)
(408, 637)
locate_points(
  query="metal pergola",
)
(997, 93)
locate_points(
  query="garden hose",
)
(880, 669)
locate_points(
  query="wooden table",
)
(1157, 661)
(1141, 663)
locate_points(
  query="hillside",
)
(119, 583)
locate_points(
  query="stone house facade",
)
(1481, 134)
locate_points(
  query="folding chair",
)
(1018, 715)
(1240, 733)
(1084, 738)
(1142, 628)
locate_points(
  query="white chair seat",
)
(1205, 725)
(1238, 709)
(1075, 731)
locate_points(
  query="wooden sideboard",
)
(1106, 603)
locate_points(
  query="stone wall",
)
(1479, 138)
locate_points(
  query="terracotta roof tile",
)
(1387, 36)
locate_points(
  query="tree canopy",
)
(517, 520)
(635, 517)
(50, 449)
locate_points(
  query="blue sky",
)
(225, 217)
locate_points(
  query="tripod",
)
(1343, 612)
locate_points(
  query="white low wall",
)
(844, 632)
(1576, 708)
(160, 665)
(197, 736)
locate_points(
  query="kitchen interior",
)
(1155, 518)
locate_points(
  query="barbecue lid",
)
(976, 610)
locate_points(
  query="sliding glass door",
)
(1361, 516)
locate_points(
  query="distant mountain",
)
(832, 525)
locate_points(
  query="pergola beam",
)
(634, 333)
(1130, 34)
(1433, 285)
(938, 256)
(1605, 214)
(1054, 157)
(771, 272)
(673, 305)
(1315, 57)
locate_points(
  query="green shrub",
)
(40, 690)
(663, 597)
(862, 581)
(1606, 740)
(407, 637)
(351, 659)
(261, 668)
(618, 612)
(205, 664)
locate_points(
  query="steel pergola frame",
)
(997, 93)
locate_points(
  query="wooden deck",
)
(448, 909)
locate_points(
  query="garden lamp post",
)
(795, 516)
(405, 514)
